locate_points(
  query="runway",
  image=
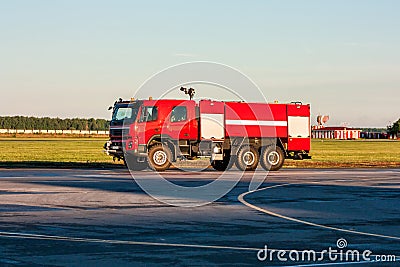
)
(102, 217)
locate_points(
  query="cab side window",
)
(178, 113)
(148, 114)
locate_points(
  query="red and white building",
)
(343, 133)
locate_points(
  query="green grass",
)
(88, 152)
(351, 153)
(82, 152)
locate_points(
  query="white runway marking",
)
(110, 241)
(241, 199)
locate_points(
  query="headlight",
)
(216, 150)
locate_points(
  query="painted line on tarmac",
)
(243, 201)
(110, 241)
(142, 243)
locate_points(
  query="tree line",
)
(395, 128)
(92, 124)
(46, 123)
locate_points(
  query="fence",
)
(19, 131)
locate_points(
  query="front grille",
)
(116, 132)
(119, 132)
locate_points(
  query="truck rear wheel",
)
(272, 158)
(159, 157)
(247, 158)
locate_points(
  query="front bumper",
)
(116, 149)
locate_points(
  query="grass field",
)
(56, 151)
(351, 153)
(88, 152)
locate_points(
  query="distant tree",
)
(395, 128)
(19, 124)
(102, 124)
(6, 123)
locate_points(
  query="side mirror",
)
(110, 108)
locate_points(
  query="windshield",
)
(124, 112)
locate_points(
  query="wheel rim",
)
(249, 158)
(273, 158)
(160, 157)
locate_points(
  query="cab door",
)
(181, 122)
(148, 123)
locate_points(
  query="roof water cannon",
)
(189, 92)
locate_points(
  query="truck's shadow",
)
(60, 165)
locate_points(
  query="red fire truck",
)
(155, 133)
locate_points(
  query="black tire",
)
(219, 165)
(222, 165)
(272, 158)
(131, 162)
(247, 158)
(159, 157)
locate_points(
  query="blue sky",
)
(74, 58)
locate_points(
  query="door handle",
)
(185, 134)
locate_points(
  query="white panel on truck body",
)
(298, 126)
(212, 126)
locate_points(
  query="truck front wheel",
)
(272, 158)
(247, 158)
(160, 157)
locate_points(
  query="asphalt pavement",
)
(74, 217)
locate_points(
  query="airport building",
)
(343, 133)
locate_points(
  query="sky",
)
(75, 58)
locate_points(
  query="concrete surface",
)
(104, 206)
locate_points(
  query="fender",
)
(165, 139)
(280, 144)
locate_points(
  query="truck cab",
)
(137, 126)
(124, 113)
